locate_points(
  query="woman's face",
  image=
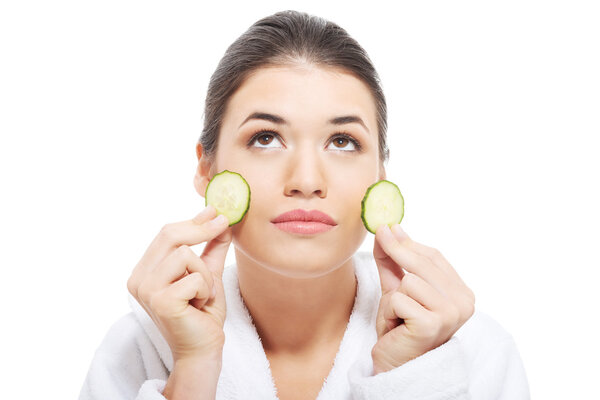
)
(302, 160)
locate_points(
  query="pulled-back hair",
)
(286, 38)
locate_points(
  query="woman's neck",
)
(296, 316)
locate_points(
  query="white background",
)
(494, 117)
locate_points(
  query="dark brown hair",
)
(284, 38)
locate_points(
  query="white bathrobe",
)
(479, 362)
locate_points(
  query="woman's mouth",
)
(304, 227)
(304, 222)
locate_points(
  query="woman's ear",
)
(382, 174)
(203, 172)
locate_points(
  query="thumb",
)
(390, 273)
(215, 251)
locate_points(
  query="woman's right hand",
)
(181, 292)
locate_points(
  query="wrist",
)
(194, 378)
(205, 355)
(208, 360)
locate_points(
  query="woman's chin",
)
(296, 255)
(298, 263)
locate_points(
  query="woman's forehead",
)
(303, 91)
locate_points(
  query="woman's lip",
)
(303, 227)
(300, 215)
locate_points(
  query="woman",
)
(295, 107)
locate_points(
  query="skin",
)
(300, 289)
(302, 303)
(424, 301)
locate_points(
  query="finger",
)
(174, 299)
(402, 306)
(205, 215)
(458, 296)
(198, 230)
(411, 261)
(433, 254)
(175, 266)
(190, 232)
(423, 293)
(390, 274)
(456, 288)
(215, 252)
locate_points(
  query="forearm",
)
(194, 379)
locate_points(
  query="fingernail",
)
(210, 209)
(385, 230)
(207, 211)
(220, 220)
(399, 232)
(214, 292)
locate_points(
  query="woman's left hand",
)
(423, 303)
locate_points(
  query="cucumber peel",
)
(382, 204)
(229, 193)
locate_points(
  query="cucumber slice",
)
(229, 193)
(383, 204)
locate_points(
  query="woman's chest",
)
(302, 383)
(301, 379)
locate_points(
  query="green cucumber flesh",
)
(229, 193)
(382, 204)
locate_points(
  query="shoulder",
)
(128, 347)
(122, 363)
(484, 340)
(123, 335)
(481, 327)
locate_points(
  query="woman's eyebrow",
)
(346, 119)
(265, 116)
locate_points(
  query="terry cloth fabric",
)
(479, 362)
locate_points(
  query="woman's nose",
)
(305, 174)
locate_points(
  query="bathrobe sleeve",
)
(483, 364)
(125, 366)
(438, 374)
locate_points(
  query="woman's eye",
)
(345, 143)
(266, 140)
(263, 140)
